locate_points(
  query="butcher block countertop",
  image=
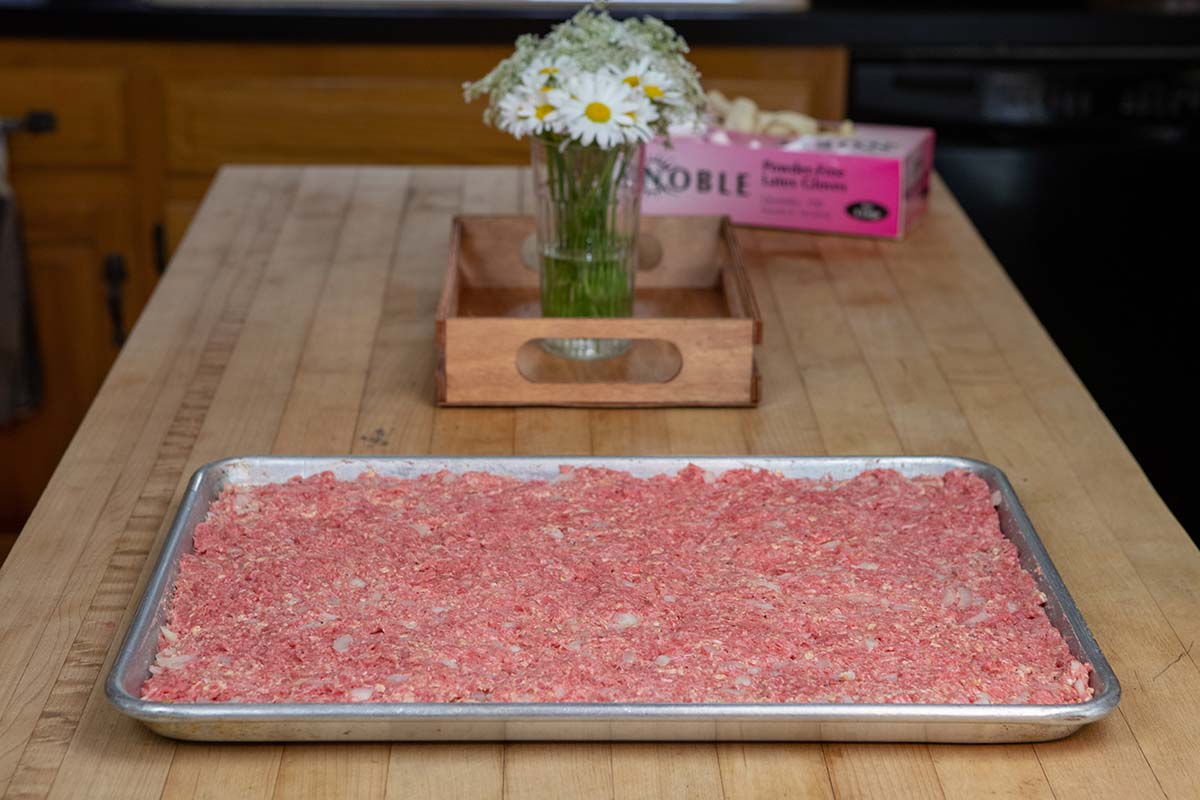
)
(297, 317)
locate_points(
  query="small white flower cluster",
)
(609, 107)
(594, 81)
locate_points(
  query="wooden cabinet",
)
(405, 106)
(398, 105)
(75, 196)
(73, 222)
(328, 119)
(143, 127)
(402, 105)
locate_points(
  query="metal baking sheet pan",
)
(599, 721)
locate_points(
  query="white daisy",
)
(598, 108)
(545, 73)
(525, 111)
(643, 116)
(651, 82)
(646, 53)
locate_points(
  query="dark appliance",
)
(1081, 169)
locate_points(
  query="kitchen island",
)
(297, 317)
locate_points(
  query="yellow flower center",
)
(598, 112)
(545, 88)
(632, 80)
(543, 110)
(653, 92)
(548, 70)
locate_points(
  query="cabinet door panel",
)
(75, 334)
(89, 105)
(73, 222)
(327, 119)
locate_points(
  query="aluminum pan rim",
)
(1076, 714)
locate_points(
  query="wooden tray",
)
(694, 327)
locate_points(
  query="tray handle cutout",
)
(645, 361)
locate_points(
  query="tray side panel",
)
(739, 294)
(717, 354)
(628, 731)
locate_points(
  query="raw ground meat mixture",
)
(602, 587)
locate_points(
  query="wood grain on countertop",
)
(297, 317)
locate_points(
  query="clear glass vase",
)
(589, 201)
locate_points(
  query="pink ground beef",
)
(602, 587)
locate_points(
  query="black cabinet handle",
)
(32, 122)
(158, 239)
(115, 274)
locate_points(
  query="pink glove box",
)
(874, 182)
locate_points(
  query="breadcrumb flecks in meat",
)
(602, 587)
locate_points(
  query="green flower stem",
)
(586, 264)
